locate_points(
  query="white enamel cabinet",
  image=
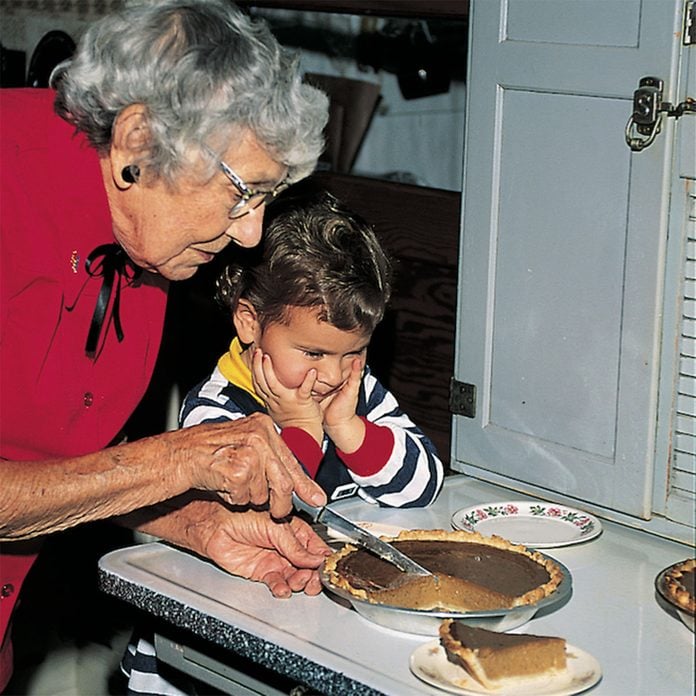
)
(574, 361)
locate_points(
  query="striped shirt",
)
(408, 472)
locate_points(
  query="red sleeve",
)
(304, 447)
(374, 452)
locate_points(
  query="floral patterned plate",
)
(534, 524)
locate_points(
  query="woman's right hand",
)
(245, 462)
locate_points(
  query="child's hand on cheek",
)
(341, 422)
(287, 406)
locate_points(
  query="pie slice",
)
(493, 659)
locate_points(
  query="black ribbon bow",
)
(108, 262)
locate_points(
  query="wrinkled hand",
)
(287, 406)
(284, 555)
(244, 461)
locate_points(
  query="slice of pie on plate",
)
(498, 659)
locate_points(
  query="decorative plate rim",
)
(587, 525)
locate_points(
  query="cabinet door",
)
(563, 246)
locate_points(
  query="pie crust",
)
(679, 585)
(492, 573)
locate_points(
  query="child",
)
(304, 308)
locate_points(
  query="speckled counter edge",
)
(247, 645)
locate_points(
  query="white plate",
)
(538, 525)
(388, 530)
(430, 664)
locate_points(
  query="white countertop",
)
(614, 612)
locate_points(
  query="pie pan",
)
(686, 617)
(427, 622)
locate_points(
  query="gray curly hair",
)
(204, 72)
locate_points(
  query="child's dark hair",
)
(314, 253)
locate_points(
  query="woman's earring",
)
(131, 174)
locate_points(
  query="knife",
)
(333, 520)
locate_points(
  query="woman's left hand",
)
(284, 555)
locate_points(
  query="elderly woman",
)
(173, 126)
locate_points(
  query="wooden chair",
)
(352, 104)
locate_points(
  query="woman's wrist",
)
(186, 521)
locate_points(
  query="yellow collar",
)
(235, 370)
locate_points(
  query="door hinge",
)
(462, 401)
(689, 35)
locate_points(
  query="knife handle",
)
(300, 504)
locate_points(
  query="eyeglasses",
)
(250, 199)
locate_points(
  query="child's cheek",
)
(294, 376)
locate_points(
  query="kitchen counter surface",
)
(614, 612)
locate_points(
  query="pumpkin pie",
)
(494, 659)
(471, 572)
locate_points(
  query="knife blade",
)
(334, 520)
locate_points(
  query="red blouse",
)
(55, 400)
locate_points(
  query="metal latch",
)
(462, 401)
(689, 33)
(648, 111)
